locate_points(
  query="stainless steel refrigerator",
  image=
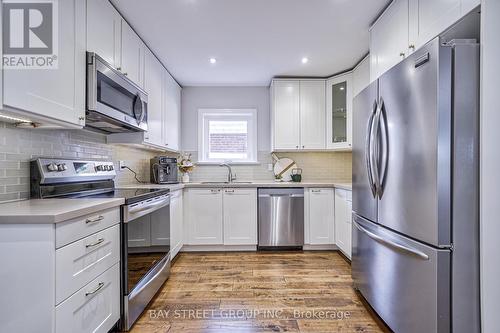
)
(415, 240)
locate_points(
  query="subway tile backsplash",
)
(316, 166)
(18, 146)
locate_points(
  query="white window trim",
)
(252, 134)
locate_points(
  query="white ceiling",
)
(252, 40)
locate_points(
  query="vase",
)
(185, 177)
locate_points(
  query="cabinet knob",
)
(297, 147)
(303, 146)
(118, 68)
(402, 54)
(411, 46)
(125, 74)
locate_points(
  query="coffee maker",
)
(163, 170)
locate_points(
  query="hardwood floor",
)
(258, 292)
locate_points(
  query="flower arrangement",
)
(185, 166)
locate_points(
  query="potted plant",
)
(185, 166)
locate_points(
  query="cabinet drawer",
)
(80, 262)
(75, 229)
(94, 308)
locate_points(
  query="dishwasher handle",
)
(281, 195)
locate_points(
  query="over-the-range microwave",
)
(115, 104)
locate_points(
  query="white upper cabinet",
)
(132, 55)
(339, 112)
(153, 84)
(55, 94)
(172, 113)
(361, 76)
(320, 216)
(285, 114)
(312, 114)
(406, 25)
(389, 38)
(104, 31)
(240, 216)
(204, 216)
(430, 17)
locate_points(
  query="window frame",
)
(206, 114)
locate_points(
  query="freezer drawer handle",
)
(422, 60)
(398, 246)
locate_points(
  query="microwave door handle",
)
(138, 109)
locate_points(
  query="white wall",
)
(194, 98)
(490, 162)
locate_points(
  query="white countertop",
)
(38, 211)
(174, 187)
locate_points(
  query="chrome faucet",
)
(230, 176)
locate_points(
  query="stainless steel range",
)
(145, 223)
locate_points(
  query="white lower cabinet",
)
(176, 222)
(94, 308)
(320, 216)
(221, 216)
(204, 216)
(343, 220)
(240, 216)
(66, 276)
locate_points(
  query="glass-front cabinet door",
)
(339, 112)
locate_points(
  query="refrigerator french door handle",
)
(392, 244)
(374, 149)
(384, 149)
(368, 153)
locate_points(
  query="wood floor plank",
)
(258, 292)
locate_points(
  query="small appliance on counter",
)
(296, 175)
(164, 170)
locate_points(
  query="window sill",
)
(230, 163)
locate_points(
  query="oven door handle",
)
(149, 280)
(133, 213)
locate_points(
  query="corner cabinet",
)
(339, 112)
(298, 114)
(55, 95)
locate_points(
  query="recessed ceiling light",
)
(305, 60)
(213, 60)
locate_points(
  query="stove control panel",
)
(58, 170)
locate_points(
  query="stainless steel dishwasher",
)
(281, 217)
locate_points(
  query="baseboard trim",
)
(322, 247)
(217, 248)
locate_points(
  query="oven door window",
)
(148, 242)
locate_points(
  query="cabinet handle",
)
(81, 118)
(214, 191)
(315, 191)
(402, 54)
(99, 241)
(229, 191)
(118, 69)
(97, 219)
(125, 74)
(411, 46)
(99, 287)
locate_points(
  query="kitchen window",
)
(227, 135)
